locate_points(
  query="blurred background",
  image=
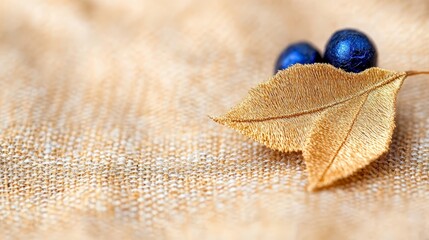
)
(104, 128)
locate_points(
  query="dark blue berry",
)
(301, 52)
(351, 51)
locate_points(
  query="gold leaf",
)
(340, 121)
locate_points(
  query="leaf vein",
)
(388, 80)
(345, 139)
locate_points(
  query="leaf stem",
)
(412, 73)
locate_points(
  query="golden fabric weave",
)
(104, 130)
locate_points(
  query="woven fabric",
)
(104, 130)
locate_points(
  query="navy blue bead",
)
(351, 51)
(301, 52)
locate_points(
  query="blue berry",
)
(301, 52)
(351, 50)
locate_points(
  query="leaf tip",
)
(313, 187)
(215, 119)
(220, 120)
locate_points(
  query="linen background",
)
(104, 130)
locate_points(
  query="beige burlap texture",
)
(104, 131)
